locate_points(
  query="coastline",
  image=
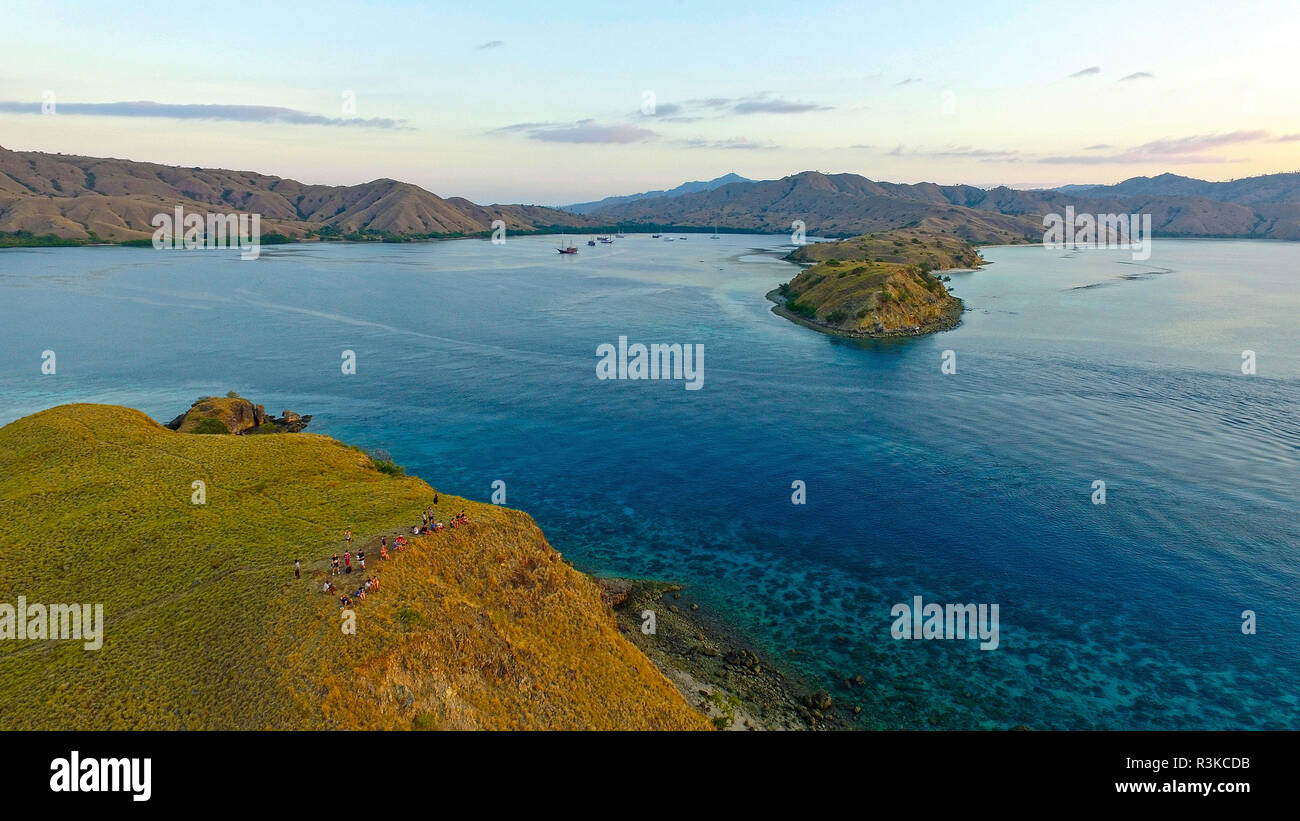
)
(716, 669)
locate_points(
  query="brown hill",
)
(840, 205)
(84, 198)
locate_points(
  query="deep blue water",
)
(477, 362)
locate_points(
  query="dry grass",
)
(206, 627)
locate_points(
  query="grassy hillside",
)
(483, 626)
(877, 285)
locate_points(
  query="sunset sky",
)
(542, 102)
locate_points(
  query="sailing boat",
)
(715, 230)
(570, 249)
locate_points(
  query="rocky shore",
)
(234, 414)
(714, 667)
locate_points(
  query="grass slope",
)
(205, 626)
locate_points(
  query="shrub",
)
(211, 425)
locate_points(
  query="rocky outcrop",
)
(234, 414)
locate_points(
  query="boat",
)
(607, 240)
(619, 234)
(715, 232)
(668, 239)
(655, 236)
(570, 249)
(591, 242)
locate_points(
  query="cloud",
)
(907, 81)
(1289, 138)
(775, 107)
(1177, 150)
(959, 152)
(490, 44)
(1137, 75)
(582, 131)
(699, 108)
(1084, 72)
(736, 143)
(1097, 147)
(202, 111)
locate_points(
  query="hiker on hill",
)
(334, 565)
(347, 538)
(361, 559)
(435, 499)
(297, 569)
(347, 562)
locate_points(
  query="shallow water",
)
(476, 362)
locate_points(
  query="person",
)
(424, 517)
(297, 569)
(361, 559)
(345, 600)
(329, 587)
(347, 562)
(334, 565)
(437, 527)
(415, 530)
(435, 499)
(383, 541)
(383, 553)
(347, 538)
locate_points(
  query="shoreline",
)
(717, 669)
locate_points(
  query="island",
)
(885, 284)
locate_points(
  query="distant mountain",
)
(1268, 188)
(684, 188)
(85, 198)
(841, 205)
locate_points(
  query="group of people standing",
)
(344, 566)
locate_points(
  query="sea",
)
(1106, 448)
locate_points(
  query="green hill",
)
(876, 285)
(484, 626)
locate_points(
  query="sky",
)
(557, 102)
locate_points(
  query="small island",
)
(886, 284)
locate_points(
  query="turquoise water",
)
(476, 363)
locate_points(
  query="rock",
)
(614, 591)
(234, 414)
(819, 701)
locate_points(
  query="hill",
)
(684, 188)
(843, 205)
(878, 285)
(99, 199)
(483, 626)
